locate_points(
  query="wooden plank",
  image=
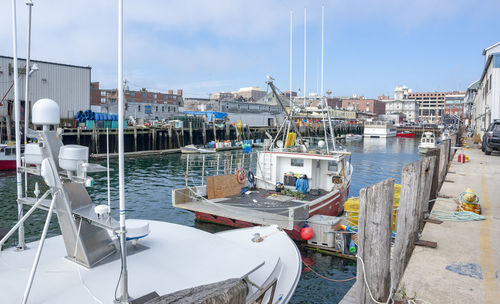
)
(424, 243)
(407, 220)
(374, 240)
(433, 221)
(222, 186)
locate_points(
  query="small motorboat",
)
(406, 134)
(7, 157)
(190, 149)
(207, 150)
(353, 137)
(428, 141)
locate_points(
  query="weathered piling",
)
(374, 241)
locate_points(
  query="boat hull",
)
(331, 204)
(9, 164)
(405, 135)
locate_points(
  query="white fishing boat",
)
(7, 157)
(291, 183)
(189, 149)
(207, 150)
(98, 259)
(353, 137)
(428, 141)
(379, 129)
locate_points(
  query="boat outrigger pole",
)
(124, 297)
(288, 114)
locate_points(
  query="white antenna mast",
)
(291, 37)
(322, 99)
(17, 114)
(27, 72)
(305, 52)
(124, 298)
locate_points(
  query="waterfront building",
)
(454, 112)
(264, 112)
(243, 94)
(432, 105)
(470, 95)
(401, 104)
(141, 104)
(201, 104)
(362, 104)
(486, 105)
(68, 85)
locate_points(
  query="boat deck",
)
(257, 206)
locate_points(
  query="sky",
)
(205, 46)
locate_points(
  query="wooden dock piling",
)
(374, 240)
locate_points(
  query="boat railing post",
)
(39, 250)
(217, 169)
(203, 170)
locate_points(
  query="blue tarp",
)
(208, 114)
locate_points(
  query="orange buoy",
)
(306, 232)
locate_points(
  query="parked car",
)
(491, 138)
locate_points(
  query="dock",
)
(465, 266)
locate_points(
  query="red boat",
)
(7, 157)
(406, 134)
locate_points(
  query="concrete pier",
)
(465, 266)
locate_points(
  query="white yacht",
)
(379, 129)
(428, 141)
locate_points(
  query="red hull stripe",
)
(8, 164)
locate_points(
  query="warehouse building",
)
(68, 85)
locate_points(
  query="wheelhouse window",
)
(333, 166)
(295, 162)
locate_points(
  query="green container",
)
(89, 124)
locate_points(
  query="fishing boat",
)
(428, 141)
(291, 183)
(207, 150)
(189, 149)
(406, 134)
(99, 259)
(379, 129)
(7, 157)
(353, 137)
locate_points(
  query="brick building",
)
(138, 104)
(364, 105)
(432, 105)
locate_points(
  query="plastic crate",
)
(324, 227)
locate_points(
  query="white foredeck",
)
(178, 257)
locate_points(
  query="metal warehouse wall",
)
(68, 85)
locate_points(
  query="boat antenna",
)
(332, 133)
(107, 166)
(322, 97)
(124, 297)
(305, 52)
(17, 114)
(27, 73)
(291, 54)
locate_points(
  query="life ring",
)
(250, 177)
(240, 176)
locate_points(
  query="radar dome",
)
(321, 144)
(46, 112)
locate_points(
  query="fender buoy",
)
(240, 176)
(250, 177)
(306, 232)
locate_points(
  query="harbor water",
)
(149, 182)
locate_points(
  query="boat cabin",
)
(322, 172)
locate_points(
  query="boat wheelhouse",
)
(428, 141)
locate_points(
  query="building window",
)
(103, 93)
(103, 100)
(163, 108)
(155, 96)
(174, 109)
(132, 94)
(168, 108)
(138, 108)
(295, 162)
(156, 108)
(143, 94)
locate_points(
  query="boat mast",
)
(322, 98)
(27, 73)
(17, 114)
(124, 297)
(332, 133)
(305, 53)
(291, 53)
